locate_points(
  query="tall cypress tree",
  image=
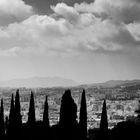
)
(18, 120)
(11, 125)
(83, 117)
(45, 114)
(104, 120)
(68, 116)
(2, 128)
(6, 124)
(68, 110)
(31, 114)
(12, 111)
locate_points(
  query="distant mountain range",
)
(114, 83)
(39, 82)
(35, 82)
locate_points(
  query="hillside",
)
(39, 82)
(113, 83)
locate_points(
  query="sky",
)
(86, 41)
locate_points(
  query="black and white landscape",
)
(69, 69)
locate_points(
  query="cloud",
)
(68, 32)
(126, 11)
(14, 10)
(66, 12)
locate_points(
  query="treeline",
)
(68, 128)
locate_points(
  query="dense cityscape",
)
(121, 101)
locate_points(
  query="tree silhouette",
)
(12, 110)
(11, 125)
(45, 130)
(6, 125)
(31, 131)
(2, 128)
(18, 119)
(68, 115)
(83, 117)
(45, 114)
(104, 120)
(68, 110)
(104, 123)
(31, 114)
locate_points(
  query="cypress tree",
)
(83, 117)
(6, 124)
(2, 128)
(104, 120)
(12, 111)
(18, 119)
(31, 114)
(68, 110)
(45, 114)
(17, 109)
(11, 125)
(68, 115)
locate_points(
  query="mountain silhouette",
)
(39, 82)
(112, 83)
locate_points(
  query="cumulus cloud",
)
(126, 11)
(67, 12)
(14, 10)
(70, 31)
